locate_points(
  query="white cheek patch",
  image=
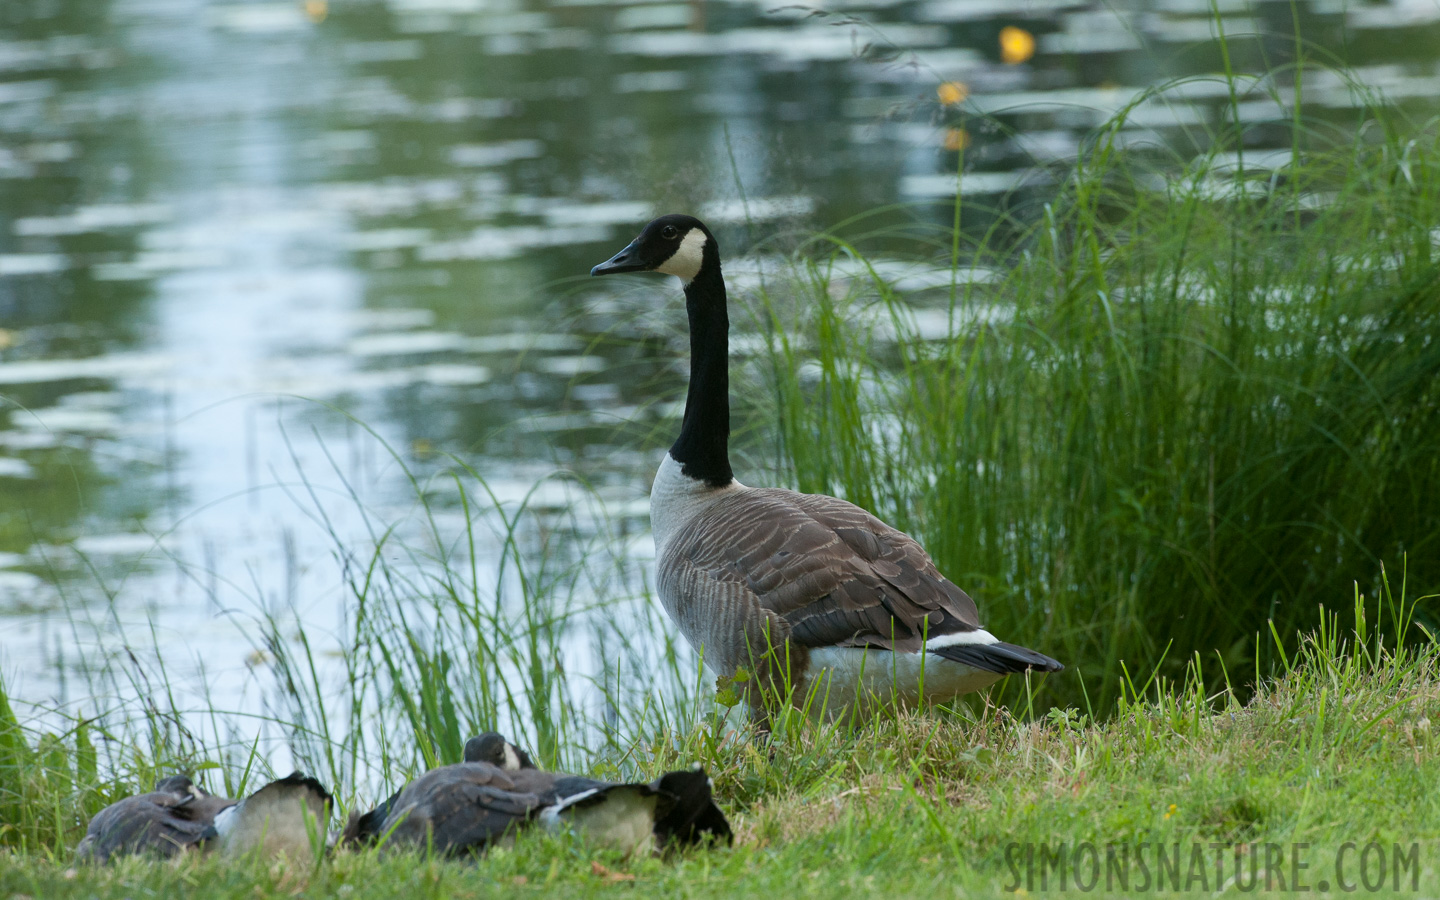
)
(685, 262)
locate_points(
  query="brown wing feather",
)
(460, 808)
(832, 573)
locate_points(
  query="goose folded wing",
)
(460, 808)
(159, 823)
(834, 573)
(475, 816)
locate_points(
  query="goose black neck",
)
(702, 450)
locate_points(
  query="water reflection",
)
(209, 211)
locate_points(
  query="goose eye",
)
(669, 232)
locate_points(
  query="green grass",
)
(1337, 748)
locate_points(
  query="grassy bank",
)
(1163, 406)
(1338, 748)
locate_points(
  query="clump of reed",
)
(1185, 401)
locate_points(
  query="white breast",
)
(676, 498)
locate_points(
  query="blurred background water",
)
(247, 247)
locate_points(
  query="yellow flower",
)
(952, 92)
(317, 10)
(1016, 45)
(1171, 811)
(956, 139)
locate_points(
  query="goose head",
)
(674, 245)
(175, 784)
(492, 748)
(183, 786)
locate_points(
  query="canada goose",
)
(802, 590)
(497, 791)
(277, 819)
(490, 748)
(178, 816)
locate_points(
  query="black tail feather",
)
(1000, 657)
(693, 817)
(366, 830)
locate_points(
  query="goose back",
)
(463, 807)
(807, 569)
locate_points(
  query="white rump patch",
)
(961, 639)
(687, 258)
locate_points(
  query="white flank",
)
(844, 674)
(273, 820)
(623, 820)
(685, 262)
(676, 498)
(225, 820)
(961, 639)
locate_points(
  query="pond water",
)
(228, 228)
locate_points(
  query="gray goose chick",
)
(497, 792)
(802, 590)
(178, 816)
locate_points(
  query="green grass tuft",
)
(1169, 408)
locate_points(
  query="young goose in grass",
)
(497, 792)
(178, 816)
(802, 590)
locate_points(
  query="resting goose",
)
(179, 816)
(802, 590)
(497, 791)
